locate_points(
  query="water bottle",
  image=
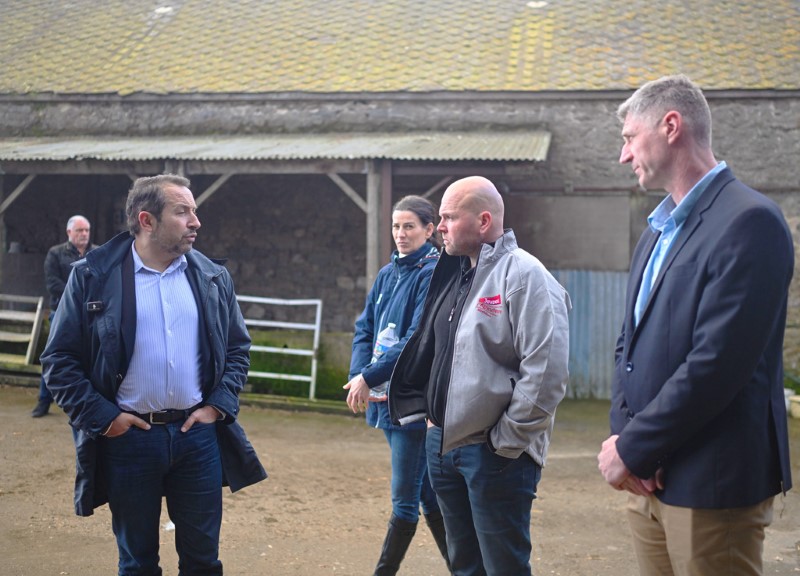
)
(385, 340)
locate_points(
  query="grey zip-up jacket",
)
(510, 361)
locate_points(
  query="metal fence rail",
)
(21, 320)
(312, 353)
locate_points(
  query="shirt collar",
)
(179, 263)
(667, 212)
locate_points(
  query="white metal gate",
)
(310, 352)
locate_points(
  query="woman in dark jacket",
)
(397, 298)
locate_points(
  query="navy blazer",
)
(698, 384)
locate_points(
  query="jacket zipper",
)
(453, 360)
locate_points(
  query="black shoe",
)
(42, 408)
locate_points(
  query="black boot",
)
(398, 538)
(42, 408)
(436, 525)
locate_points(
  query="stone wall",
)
(299, 236)
(759, 136)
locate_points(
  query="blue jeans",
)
(410, 483)
(486, 503)
(140, 467)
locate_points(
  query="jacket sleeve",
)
(538, 312)
(619, 407)
(66, 360)
(364, 334)
(52, 275)
(381, 370)
(235, 343)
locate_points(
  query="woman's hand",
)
(358, 394)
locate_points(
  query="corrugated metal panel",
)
(420, 146)
(598, 307)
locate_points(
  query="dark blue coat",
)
(698, 384)
(90, 345)
(397, 297)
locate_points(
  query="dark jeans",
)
(44, 393)
(140, 467)
(410, 483)
(486, 503)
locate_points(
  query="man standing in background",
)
(57, 266)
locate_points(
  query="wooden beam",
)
(455, 169)
(436, 187)
(348, 190)
(84, 167)
(213, 188)
(276, 166)
(17, 191)
(385, 211)
(95, 167)
(172, 166)
(373, 224)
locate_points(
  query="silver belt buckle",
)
(153, 413)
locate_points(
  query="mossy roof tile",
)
(253, 46)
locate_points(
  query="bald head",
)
(477, 194)
(472, 214)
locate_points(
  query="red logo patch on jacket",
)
(490, 305)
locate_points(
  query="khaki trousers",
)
(671, 540)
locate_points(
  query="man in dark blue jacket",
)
(698, 419)
(147, 355)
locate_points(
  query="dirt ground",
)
(324, 508)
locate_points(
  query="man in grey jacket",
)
(486, 368)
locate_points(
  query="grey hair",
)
(72, 219)
(657, 97)
(147, 194)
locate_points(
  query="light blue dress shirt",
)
(668, 219)
(164, 371)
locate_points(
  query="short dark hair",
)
(147, 194)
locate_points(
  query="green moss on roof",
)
(255, 46)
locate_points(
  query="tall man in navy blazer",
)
(698, 418)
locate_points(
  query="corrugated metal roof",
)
(280, 46)
(419, 146)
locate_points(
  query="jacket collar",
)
(693, 220)
(106, 257)
(425, 251)
(503, 245)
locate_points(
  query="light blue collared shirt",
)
(668, 219)
(164, 371)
